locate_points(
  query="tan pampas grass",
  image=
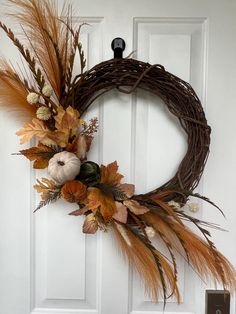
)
(48, 36)
(13, 93)
(201, 253)
(154, 269)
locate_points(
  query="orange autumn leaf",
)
(40, 163)
(34, 128)
(109, 174)
(121, 213)
(99, 201)
(128, 189)
(45, 187)
(48, 142)
(67, 119)
(40, 154)
(90, 224)
(59, 137)
(135, 207)
(72, 147)
(79, 212)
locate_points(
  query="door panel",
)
(47, 265)
(64, 260)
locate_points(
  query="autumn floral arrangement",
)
(51, 100)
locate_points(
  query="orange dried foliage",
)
(67, 120)
(121, 213)
(109, 174)
(34, 128)
(169, 209)
(97, 200)
(79, 212)
(45, 187)
(13, 93)
(39, 155)
(60, 138)
(143, 261)
(204, 258)
(128, 189)
(90, 224)
(135, 207)
(45, 31)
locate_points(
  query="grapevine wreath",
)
(52, 102)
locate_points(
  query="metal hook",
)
(118, 46)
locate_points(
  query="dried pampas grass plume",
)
(200, 253)
(48, 36)
(13, 93)
(155, 271)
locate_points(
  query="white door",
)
(46, 264)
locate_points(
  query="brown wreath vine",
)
(126, 75)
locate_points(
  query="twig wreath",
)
(53, 101)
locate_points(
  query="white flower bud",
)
(175, 205)
(43, 113)
(47, 90)
(150, 232)
(193, 207)
(32, 98)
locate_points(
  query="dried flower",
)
(47, 90)
(74, 191)
(43, 113)
(175, 205)
(150, 232)
(91, 128)
(32, 98)
(193, 207)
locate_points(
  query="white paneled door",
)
(46, 264)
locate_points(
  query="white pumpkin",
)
(64, 166)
